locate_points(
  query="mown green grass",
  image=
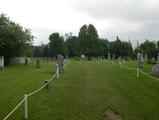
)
(83, 92)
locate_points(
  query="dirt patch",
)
(111, 114)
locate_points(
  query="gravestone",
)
(38, 63)
(157, 58)
(145, 58)
(60, 62)
(155, 70)
(113, 58)
(142, 57)
(82, 56)
(119, 59)
(139, 60)
(1, 62)
(26, 61)
(109, 56)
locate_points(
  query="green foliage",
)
(88, 41)
(56, 44)
(151, 61)
(71, 42)
(149, 48)
(14, 39)
(120, 48)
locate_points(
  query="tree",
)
(14, 39)
(88, 41)
(121, 48)
(149, 48)
(71, 42)
(56, 44)
(46, 52)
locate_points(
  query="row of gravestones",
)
(155, 68)
(140, 61)
(60, 61)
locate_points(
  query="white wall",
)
(20, 60)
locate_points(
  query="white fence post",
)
(26, 106)
(57, 71)
(137, 72)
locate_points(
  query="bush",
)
(151, 61)
(77, 58)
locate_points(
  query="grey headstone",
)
(1, 62)
(155, 70)
(139, 60)
(60, 62)
(113, 57)
(26, 61)
(109, 56)
(145, 58)
(158, 58)
(38, 63)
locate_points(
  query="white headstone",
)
(82, 56)
(1, 62)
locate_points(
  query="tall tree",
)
(149, 48)
(88, 41)
(14, 39)
(71, 42)
(56, 44)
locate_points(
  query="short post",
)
(26, 106)
(47, 84)
(57, 71)
(137, 72)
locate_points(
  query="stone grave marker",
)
(145, 58)
(38, 63)
(113, 57)
(60, 62)
(109, 56)
(139, 60)
(157, 58)
(155, 70)
(26, 61)
(1, 62)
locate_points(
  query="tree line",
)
(18, 41)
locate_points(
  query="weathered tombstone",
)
(123, 61)
(26, 61)
(119, 59)
(145, 58)
(139, 60)
(155, 70)
(109, 56)
(142, 58)
(38, 63)
(157, 58)
(113, 57)
(1, 62)
(82, 56)
(60, 62)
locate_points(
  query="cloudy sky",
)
(128, 19)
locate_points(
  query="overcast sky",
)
(134, 19)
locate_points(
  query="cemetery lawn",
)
(84, 92)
